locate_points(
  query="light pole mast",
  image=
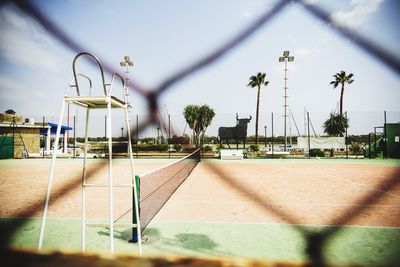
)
(285, 58)
(127, 62)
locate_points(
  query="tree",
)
(336, 125)
(198, 118)
(257, 81)
(341, 78)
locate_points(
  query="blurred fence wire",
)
(315, 242)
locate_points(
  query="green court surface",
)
(369, 246)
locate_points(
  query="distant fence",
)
(360, 123)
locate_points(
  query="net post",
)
(135, 198)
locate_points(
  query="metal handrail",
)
(112, 82)
(98, 63)
(72, 85)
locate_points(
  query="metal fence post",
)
(272, 133)
(345, 140)
(308, 132)
(169, 135)
(137, 135)
(74, 134)
(384, 137)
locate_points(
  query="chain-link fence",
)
(315, 241)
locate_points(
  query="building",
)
(393, 140)
(24, 138)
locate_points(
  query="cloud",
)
(10, 89)
(23, 42)
(16, 95)
(302, 52)
(292, 39)
(358, 14)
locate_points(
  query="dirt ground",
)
(236, 191)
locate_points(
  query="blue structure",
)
(53, 129)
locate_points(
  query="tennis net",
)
(158, 186)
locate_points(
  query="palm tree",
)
(198, 118)
(257, 81)
(336, 125)
(341, 78)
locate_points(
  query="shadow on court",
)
(184, 243)
(124, 235)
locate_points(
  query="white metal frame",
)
(106, 101)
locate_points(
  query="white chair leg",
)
(110, 176)
(50, 178)
(83, 223)
(134, 185)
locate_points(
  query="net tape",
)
(314, 241)
(158, 186)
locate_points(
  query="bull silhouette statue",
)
(238, 133)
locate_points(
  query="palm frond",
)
(257, 80)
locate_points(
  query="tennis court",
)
(254, 209)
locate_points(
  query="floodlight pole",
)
(285, 58)
(127, 62)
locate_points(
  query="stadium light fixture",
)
(127, 62)
(286, 58)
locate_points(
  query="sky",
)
(163, 37)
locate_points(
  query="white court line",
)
(366, 186)
(275, 203)
(77, 200)
(275, 224)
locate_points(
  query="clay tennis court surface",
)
(364, 193)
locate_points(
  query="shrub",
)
(254, 148)
(183, 140)
(119, 148)
(177, 147)
(336, 124)
(316, 152)
(355, 148)
(220, 147)
(207, 148)
(161, 147)
(189, 149)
